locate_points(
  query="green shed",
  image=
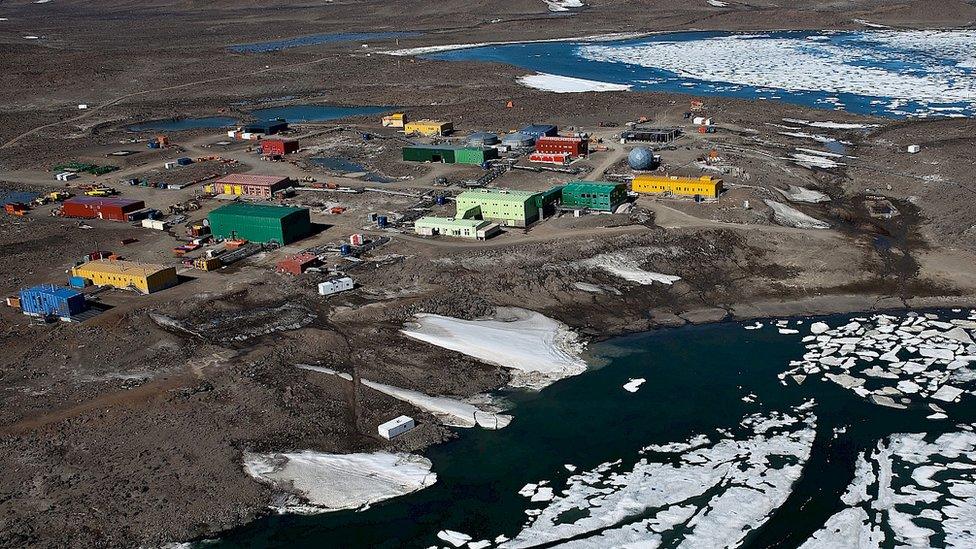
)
(600, 196)
(429, 153)
(260, 223)
(474, 155)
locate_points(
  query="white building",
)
(396, 427)
(335, 286)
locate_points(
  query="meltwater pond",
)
(886, 73)
(715, 449)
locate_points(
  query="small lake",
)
(348, 167)
(315, 39)
(885, 73)
(314, 113)
(182, 124)
(701, 380)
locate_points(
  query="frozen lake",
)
(717, 447)
(886, 73)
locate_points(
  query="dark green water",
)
(696, 378)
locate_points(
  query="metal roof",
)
(498, 195)
(50, 289)
(251, 179)
(434, 221)
(257, 210)
(591, 186)
(102, 201)
(538, 129)
(118, 266)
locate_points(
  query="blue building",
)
(49, 300)
(535, 131)
(266, 127)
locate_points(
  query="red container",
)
(575, 146)
(279, 147)
(546, 158)
(91, 207)
(297, 264)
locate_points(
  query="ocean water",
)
(886, 73)
(701, 380)
(315, 39)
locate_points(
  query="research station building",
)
(508, 207)
(260, 223)
(248, 185)
(448, 154)
(474, 229)
(47, 300)
(705, 186)
(599, 196)
(144, 277)
(428, 127)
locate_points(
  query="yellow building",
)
(394, 120)
(705, 186)
(145, 277)
(428, 127)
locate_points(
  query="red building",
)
(554, 158)
(297, 264)
(93, 207)
(576, 146)
(279, 147)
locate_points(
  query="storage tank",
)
(640, 158)
(518, 140)
(482, 139)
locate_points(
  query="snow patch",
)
(567, 84)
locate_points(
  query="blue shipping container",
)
(184, 161)
(77, 281)
(52, 300)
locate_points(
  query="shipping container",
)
(77, 282)
(396, 427)
(335, 286)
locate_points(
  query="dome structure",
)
(640, 159)
(518, 140)
(482, 139)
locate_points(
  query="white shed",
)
(396, 427)
(335, 286)
(157, 224)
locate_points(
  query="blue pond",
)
(346, 166)
(893, 74)
(179, 124)
(314, 39)
(314, 113)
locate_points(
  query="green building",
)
(475, 229)
(594, 195)
(448, 154)
(508, 207)
(260, 223)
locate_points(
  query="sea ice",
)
(539, 349)
(319, 482)
(634, 384)
(456, 539)
(566, 84)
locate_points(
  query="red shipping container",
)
(92, 207)
(557, 158)
(576, 146)
(297, 264)
(279, 147)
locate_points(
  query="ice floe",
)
(450, 411)
(710, 493)
(791, 217)
(787, 63)
(633, 384)
(315, 482)
(628, 268)
(563, 5)
(908, 491)
(567, 84)
(457, 539)
(893, 361)
(538, 349)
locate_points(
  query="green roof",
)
(256, 210)
(590, 186)
(497, 195)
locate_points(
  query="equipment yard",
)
(128, 424)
